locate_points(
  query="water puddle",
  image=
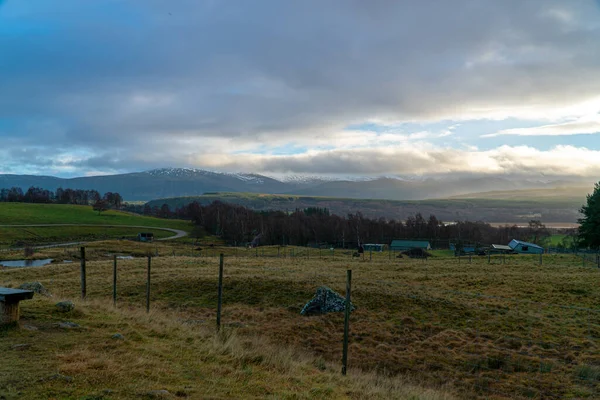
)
(25, 263)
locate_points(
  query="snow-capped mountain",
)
(194, 172)
(178, 182)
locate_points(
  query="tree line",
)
(317, 226)
(61, 196)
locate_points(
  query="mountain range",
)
(178, 182)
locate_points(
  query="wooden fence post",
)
(346, 322)
(114, 281)
(148, 285)
(220, 293)
(83, 281)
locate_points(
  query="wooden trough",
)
(9, 304)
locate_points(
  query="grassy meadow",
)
(54, 234)
(24, 213)
(108, 224)
(507, 329)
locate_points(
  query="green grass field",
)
(54, 234)
(22, 214)
(510, 329)
(555, 240)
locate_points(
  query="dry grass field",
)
(508, 329)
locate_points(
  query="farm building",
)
(525, 248)
(402, 245)
(145, 237)
(501, 248)
(374, 247)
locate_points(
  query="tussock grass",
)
(489, 330)
(161, 353)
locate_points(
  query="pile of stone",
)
(325, 301)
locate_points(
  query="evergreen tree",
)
(589, 229)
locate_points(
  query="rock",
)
(236, 325)
(30, 327)
(118, 336)
(68, 325)
(158, 394)
(65, 306)
(20, 346)
(60, 377)
(325, 301)
(35, 287)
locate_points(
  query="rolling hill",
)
(26, 214)
(551, 210)
(180, 182)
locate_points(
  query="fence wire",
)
(493, 346)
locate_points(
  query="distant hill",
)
(578, 193)
(492, 210)
(178, 182)
(144, 186)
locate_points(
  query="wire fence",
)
(489, 346)
(486, 346)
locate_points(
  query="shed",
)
(525, 247)
(403, 245)
(374, 247)
(501, 248)
(145, 236)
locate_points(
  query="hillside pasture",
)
(24, 214)
(15, 236)
(508, 329)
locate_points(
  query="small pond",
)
(25, 263)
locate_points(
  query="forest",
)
(61, 196)
(239, 225)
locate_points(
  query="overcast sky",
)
(301, 87)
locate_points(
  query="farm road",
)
(178, 233)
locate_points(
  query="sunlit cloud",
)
(583, 126)
(275, 86)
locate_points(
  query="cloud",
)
(560, 161)
(126, 85)
(584, 126)
(416, 159)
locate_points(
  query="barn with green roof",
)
(402, 245)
